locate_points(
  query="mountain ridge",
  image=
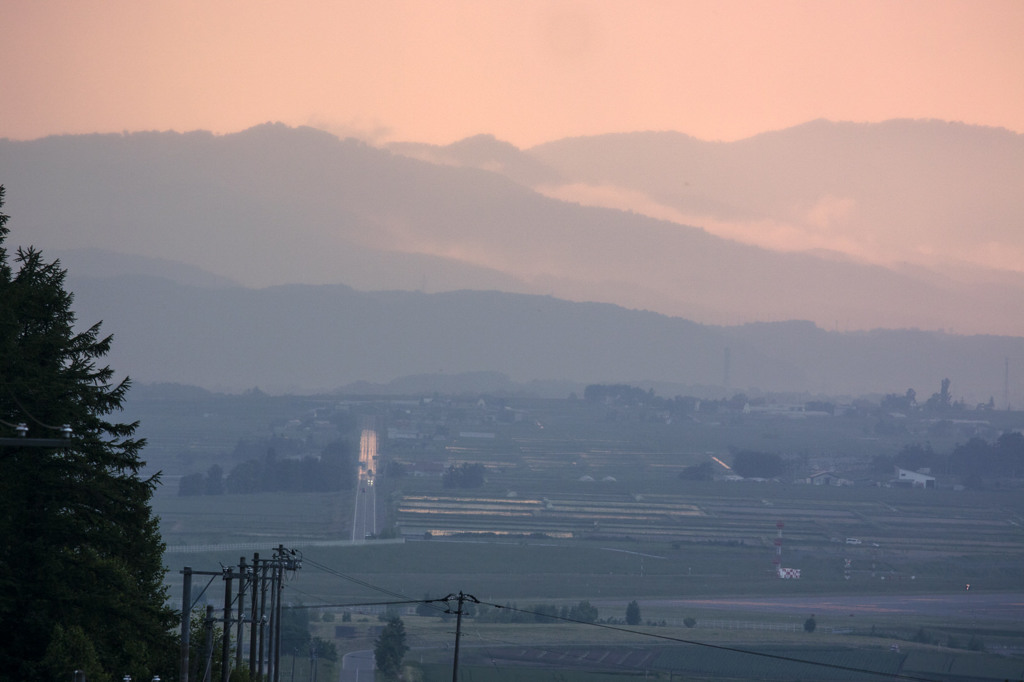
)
(321, 338)
(275, 204)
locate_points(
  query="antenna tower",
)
(777, 561)
(1006, 383)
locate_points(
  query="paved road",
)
(364, 514)
(357, 666)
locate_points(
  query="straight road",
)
(364, 515)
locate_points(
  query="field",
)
(720, 584)
(577, 508)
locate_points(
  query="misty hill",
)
(485, 152)
(900, 190)
(274, 205)
(302, 338)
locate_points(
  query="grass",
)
(642, 547)
(509, 652)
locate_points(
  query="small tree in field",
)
(633, 613)
(390, 649)
(810, 625)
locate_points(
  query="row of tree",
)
(745, 463)
(334, 469)
(465, 475)
(939, 403)
(582, 611)
(972, 461)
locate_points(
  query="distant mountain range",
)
(896, 192)
(276, 205)
(292, 260)
(301, 338)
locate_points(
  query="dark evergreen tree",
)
(705, 471)
(633, 613)
(81, 570)
(214, 480)
(191, 484)
(755, 464)
(295, 635)
(584, 611)
(390, 649)
(465, 475)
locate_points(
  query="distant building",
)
(828, 478)
(914, 479)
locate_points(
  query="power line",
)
(350, 605)
(605, 626)
(720, 647)
(405, 600)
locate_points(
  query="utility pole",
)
(458, 628)
(254, 618)
(275, 641)
(264, 625)
(186, 613)
(225, 654)
(263, 616)
(186, 618)
(272, 619)
(242, 586)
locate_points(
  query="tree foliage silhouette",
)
(633, 613)
(389, 649)
(81, 566)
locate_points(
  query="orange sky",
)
(526, 71)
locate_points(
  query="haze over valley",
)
(270, 243)
(669, 340)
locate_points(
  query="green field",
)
(577, 506)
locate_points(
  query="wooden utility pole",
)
(254, 617)
(225, 653)
(275, 640)
(264, 625)
(186, 615)
(458, 629)
(264, 565)
(242, 586)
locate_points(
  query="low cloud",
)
(372, 133)
(828, 223)
(823, 225)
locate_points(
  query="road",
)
(364, 514)
(357, 666)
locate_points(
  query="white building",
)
(914, 479)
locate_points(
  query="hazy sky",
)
(526, 71)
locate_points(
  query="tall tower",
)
(778, 548)
(1006, 383)
(727, 368)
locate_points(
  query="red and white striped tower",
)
(778, 548)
